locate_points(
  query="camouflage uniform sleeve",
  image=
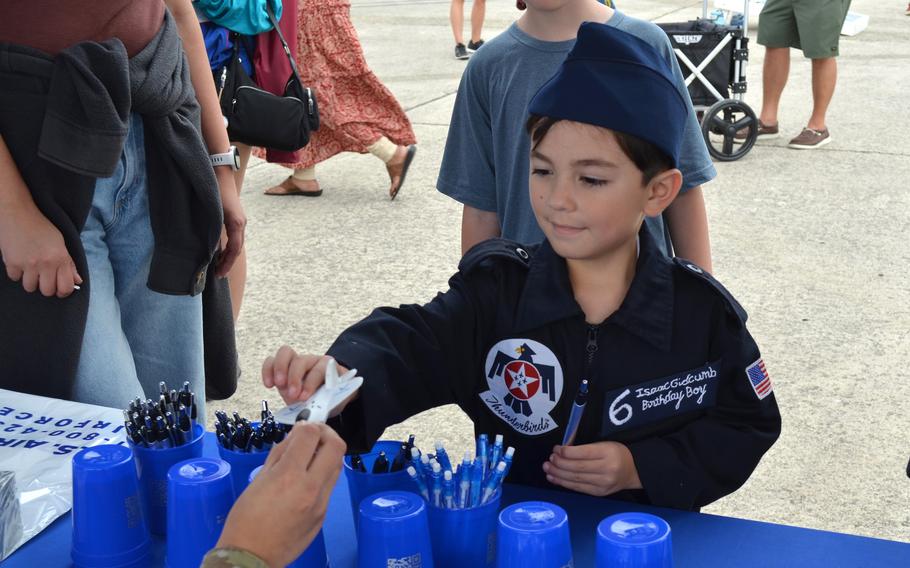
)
(231, 558)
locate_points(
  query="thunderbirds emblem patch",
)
(525, 381)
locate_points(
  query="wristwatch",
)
(229, 158)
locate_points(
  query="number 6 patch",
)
(652, 401)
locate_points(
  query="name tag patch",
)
(652, 401)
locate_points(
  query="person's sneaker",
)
(810, 138)
(474, 46)
(461, 52)
(764, 131)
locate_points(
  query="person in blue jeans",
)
(116, 187)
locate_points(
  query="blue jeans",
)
(134, 337)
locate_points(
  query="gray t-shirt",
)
(485, 164)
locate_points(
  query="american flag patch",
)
(759, 379)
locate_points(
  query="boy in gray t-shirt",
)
(485, 165)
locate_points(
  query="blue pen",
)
(442, 457)
(425, 468)
(421, 485)
(415, 460)
(494, 482)
(496, 454)
(448, 490)
(482, 454)
(578, 408)
(476, 485)
(436, 487)
(508, 459)
(464, 486)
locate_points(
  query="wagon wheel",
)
(720, 124)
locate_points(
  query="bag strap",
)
(287, 50)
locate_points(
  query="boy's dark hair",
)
(646, 156)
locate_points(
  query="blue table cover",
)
(699, 540)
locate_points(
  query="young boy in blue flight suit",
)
(680, 408)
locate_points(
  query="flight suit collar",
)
(646, 311)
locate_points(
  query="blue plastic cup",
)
(464, 537)
(635, 540)
(200, 494)
(534, 533)
(153, 466)
(394, 531)
(108, 527)
(362, 485)
(242, 465)
(314, 556)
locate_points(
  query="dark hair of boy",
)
(646, 156)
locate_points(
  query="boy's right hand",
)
(297, 377)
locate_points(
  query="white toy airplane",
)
(332, 393)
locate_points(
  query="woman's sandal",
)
(291, 186)
(400, 171)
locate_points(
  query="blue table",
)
(699, 540)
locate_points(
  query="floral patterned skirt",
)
(355, 108)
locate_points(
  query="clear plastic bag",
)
(38, 439)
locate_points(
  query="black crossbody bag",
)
(258, 118)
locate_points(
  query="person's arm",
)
(687, 222)
(477, 226)
(713, 455)
(31, 247)
(213, 129)
(282, 510)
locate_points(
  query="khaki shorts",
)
(810, 25)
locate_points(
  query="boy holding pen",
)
(679, 407)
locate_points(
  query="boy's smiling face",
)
(587, 194)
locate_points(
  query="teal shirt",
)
(247, 17)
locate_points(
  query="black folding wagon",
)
(713, 60)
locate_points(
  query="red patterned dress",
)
(355, 108)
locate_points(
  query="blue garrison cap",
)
(615, 80)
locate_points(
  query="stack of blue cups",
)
(533, 533)
(362, 485)
(394, 531)
(109, 529)
(634, 540)
(153, 466)
(314, 556)
(200, 494)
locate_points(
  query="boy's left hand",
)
(598, 469)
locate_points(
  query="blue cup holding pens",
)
(200, 494)
(394, 531)
(153, 465)
(533, 533)
(242, 464)
(314, 556)
(108, 527)
(464, 537)
(362, 485)
(635, 540)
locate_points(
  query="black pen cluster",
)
(165, 423)
(240, 435)
(382, 463)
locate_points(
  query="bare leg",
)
(478, 11)
(237, 274)
(456, 18)
(824, 77)
(774, 78)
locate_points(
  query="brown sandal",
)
(400, 171)
(289, 187)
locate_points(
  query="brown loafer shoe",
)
(809, 139)
(764, 131)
